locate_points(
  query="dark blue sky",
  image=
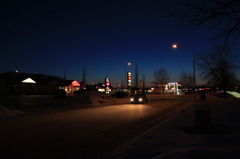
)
(100, 36)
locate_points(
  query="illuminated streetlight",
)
(125, 73)
(175, 46)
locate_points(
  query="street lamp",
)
(175, 46)
(125, 79)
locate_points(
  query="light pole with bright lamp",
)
(125, 79)
(193, 60)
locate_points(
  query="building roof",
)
(18, 77)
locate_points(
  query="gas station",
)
(170, 88)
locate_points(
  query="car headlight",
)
(131, 99)
(140, 99)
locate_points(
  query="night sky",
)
(100, 36)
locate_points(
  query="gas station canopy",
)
(28, 80)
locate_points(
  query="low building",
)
(70, 86)
(170, 88)
(22, 83)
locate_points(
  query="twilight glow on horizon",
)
(101, 37)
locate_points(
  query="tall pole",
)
(193, 61)
(125, 74)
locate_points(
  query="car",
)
(139, 98)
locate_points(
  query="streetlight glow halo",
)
(175, 46)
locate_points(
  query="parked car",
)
(139, 98)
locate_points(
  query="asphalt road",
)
(85, 132)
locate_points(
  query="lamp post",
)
(125, 79)
(193, 61)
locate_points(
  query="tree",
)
(136, 77)
(186, 79)
(223, 15)
(64, 75)
(161, 77)
(143, 81)
(83, 78)
(217, 66)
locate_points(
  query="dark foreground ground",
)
(71, 129)
(174, 138)
(179, 138)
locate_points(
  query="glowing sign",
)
(28, 80)
(75, 84)
(107, 83)
(129, 79)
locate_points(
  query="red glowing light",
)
(75, 83)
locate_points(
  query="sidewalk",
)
(177, 138)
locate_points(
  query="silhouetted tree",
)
(222, 15)
(136, 77)
(217, 66)
(186, 79)
(83, 78)
(64, 75)
(122, 83)
(161, 77)
(143, 81)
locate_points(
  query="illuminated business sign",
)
(129, 79)
(107, 82)
(107, 86)
(28, 80)
(75, 84)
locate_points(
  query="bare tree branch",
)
(217, 65)
(161, 76)
(223, 15)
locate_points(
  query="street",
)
(85, 132)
